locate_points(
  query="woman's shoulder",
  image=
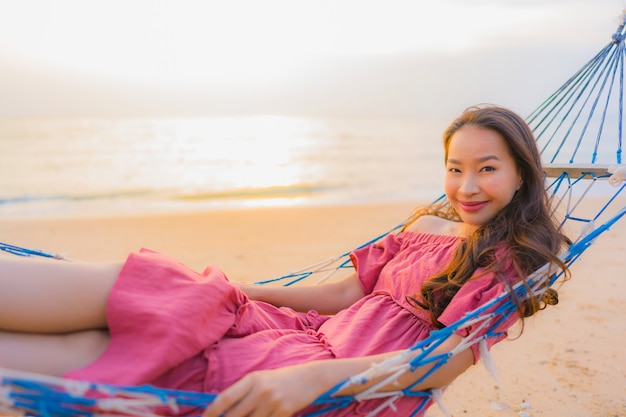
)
(434, 225)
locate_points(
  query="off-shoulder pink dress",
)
(176, 328)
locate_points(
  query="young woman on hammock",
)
(271, 351)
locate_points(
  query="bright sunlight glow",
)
(200, 43)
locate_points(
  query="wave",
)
(288, 191)
(29, 198)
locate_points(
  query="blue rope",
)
(346, 264)
(49, 400)
(21, 251)
(554, 103)
(564, 108)
(606, 107)
(585, 85)
(607, 72)
(621, 104)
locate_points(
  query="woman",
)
(271, 351)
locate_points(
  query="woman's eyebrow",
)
(480, 160)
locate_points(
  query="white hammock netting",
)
(579, 131)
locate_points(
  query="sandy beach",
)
(569, 361)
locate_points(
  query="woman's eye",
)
(456, 170)
(488, 169)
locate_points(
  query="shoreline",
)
(568, 362)
(77, 209)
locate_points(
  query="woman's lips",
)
(470, 206)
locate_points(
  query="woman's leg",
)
(51, 354)
(52, 296)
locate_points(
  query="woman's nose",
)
(469, 185)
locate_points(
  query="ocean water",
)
(84, 166)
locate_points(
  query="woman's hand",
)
(284, 391)
(276, 393)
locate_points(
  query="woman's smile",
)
(472, 206)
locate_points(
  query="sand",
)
(570, 360)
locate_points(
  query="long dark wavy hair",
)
(525, 227)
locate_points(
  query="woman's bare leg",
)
(52, 296)
(51, 354)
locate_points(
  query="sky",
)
(371, 58)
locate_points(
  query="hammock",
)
(579, 132)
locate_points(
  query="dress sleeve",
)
(474, 294)
(371, 259)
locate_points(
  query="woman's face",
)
(481, 175)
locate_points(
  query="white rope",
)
(488, 361)
(389, 403)
(438, 397)
(618, 174)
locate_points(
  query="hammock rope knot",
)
(618, 174)
(619, 34)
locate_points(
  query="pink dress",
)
(176, 328)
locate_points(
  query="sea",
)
(112, 166)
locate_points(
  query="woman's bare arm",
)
(325, 298)
(284, 391)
